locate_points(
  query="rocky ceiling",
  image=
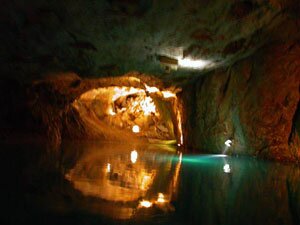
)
(110, 37)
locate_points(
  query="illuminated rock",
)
(254, 102)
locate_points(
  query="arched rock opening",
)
(144, 113)
(133, 107)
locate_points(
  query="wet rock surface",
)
(249, 93)
(253, 103)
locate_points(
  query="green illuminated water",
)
(102, 183)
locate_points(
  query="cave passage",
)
(147, 114)
(150, 112)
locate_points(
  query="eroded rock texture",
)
(254, 103)
(52, 109)
(109, 37)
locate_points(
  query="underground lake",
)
(109, 183)
(150, 112)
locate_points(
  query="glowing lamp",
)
(135, 129)
(228, 143)
(145, 204)
(133, 156)
(194, 64)
(161, 198)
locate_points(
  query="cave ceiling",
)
(111, 37)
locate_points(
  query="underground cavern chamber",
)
(146, 113)
(150, 112)
(239, 74)
(109, 109)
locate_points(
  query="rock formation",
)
(237, 63)
(255, 103)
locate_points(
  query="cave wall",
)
(112, 37)
(43, 109)
(254, 103)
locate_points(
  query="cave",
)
(145, 114)
(150, 112)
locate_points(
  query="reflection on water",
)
(137, 176)
(230, 190)
(102, 183)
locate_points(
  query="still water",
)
(105, 183)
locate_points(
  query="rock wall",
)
(44, 109)
(112, 37)
(254, 103)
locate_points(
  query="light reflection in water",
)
(127, 176)
(145, 203)
(197, 185)
(226, 168)
(255, 192)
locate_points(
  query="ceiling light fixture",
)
(228, 143)
(194, 64)
(168, 63)
(172, 63)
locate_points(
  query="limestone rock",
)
(253, 103)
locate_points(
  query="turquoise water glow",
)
(102, 183)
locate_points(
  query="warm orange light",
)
(148, 106)
(111, 112)
(108, 167)
(146, 180)
(135, 129)
(124, 91)
(168, 94)
(145, 203)
(180, 157)
(151, 89)
(142, 103)
(161, 198)
(180, 127)
(133, 156)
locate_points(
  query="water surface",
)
(105, 183)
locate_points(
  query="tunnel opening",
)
(131, 113)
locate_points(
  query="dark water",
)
(102, 183)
